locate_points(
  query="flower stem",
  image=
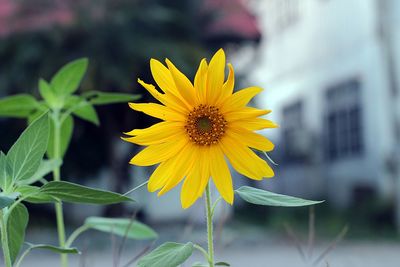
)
(56, 177)
(209, 227)
(4, 240)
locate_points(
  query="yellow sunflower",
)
(203, 125)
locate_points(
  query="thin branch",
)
(295, 240)
(332, 246)
(134, 259)
(311, 232)
(124, 238)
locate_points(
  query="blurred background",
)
(330, 70)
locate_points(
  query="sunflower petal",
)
(184, 86)
(220, 174)
(183, 163)
(200, 81)
(160, 175)
(160, 152)
(158, 111)
(163, 77)
(253, 124)
(191, 185)
(158, 133)
(204, 169)
(228, 86)
(167, 99)
(244, 160)
(253, 139)
(240, 99)
(215, 76)
(245, 113)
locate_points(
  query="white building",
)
(331, 73)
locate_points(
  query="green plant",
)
(24, 166)
(60, 105)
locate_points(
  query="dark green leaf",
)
(5, 172)
(122, 227)
(17, 106)
(33, 194)
(67, 128)
(104, 98)
(17, 222)
(75, 193)
(67, 79)
(222, 263)
(45, 168)
(55, 249)
(27, 152)
(5, 201)
(167, 255)
(47, 93)
(266, 198)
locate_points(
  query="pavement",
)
(244, 247)
(348, 254)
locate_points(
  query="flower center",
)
(205, 125)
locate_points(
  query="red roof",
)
(226, 20)
(230, 19)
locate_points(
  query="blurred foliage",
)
(119, 38)
(368, 220)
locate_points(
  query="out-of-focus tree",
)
(119, 37)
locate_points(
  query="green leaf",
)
(45, 168)
(105, 98)
(37, 113)
(54, 248)
(122, 227)
(70, 192)
(47, 93)
(16, 225)
(27, 152)
(67, 79)
(222, 263)
(33, 194)
(17, 106)
(67, 128)
(266, 198)
(5, 201)
(5, 172)
(82, 109)
(167, 255)
(87, 112)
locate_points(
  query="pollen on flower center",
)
(205, 125)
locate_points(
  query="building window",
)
(343, 137)
(291, 131)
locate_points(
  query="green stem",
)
(75, 234)
(57, 177)
(209, 227)
(215, 205)
(202, 250)
(136, 188)
(22, 257)
(4, 240)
